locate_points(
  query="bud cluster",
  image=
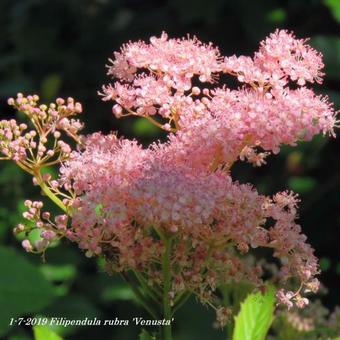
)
(35, 148)
(50, 231)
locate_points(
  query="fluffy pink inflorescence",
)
(125, 199)
(178, 60)
(281, 58)
(265, 112)
(126, 192)
(184, 186)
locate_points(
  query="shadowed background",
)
(59, 48)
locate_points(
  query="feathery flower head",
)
(134, 205)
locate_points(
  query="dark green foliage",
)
(23, 289)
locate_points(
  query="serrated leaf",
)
(23, 289)
(255, 316)
(44, 333)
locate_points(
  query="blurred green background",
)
(59, 48)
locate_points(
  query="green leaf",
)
(72, 306)
(334, 7)
(50, 86)
(329, 46)
(23, 289)
(121, 292)
(58, 272)
(143, 128)
(145, 335)
(255, 316)
(277, 15)
(19, 334)
(44, 333)
(325, 263)
(98, 209)
(337, 268)
(301, 184)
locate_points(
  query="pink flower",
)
(177, 60)
(123, 201)
(285, 298)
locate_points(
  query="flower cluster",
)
(51, 231)
(159, 78)
(24, 146)
(316, 321)
(281, 58)
(171, 213)
(127, 196)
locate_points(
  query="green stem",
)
(46, 190)
(140, 297)
(153, 293)
(167, 332)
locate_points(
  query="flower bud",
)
(26, 244)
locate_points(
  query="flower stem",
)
(140, 297)
(149, 290)
(49, 193)
(36, 173)
(167, 332)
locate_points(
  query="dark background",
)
(59, 48)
